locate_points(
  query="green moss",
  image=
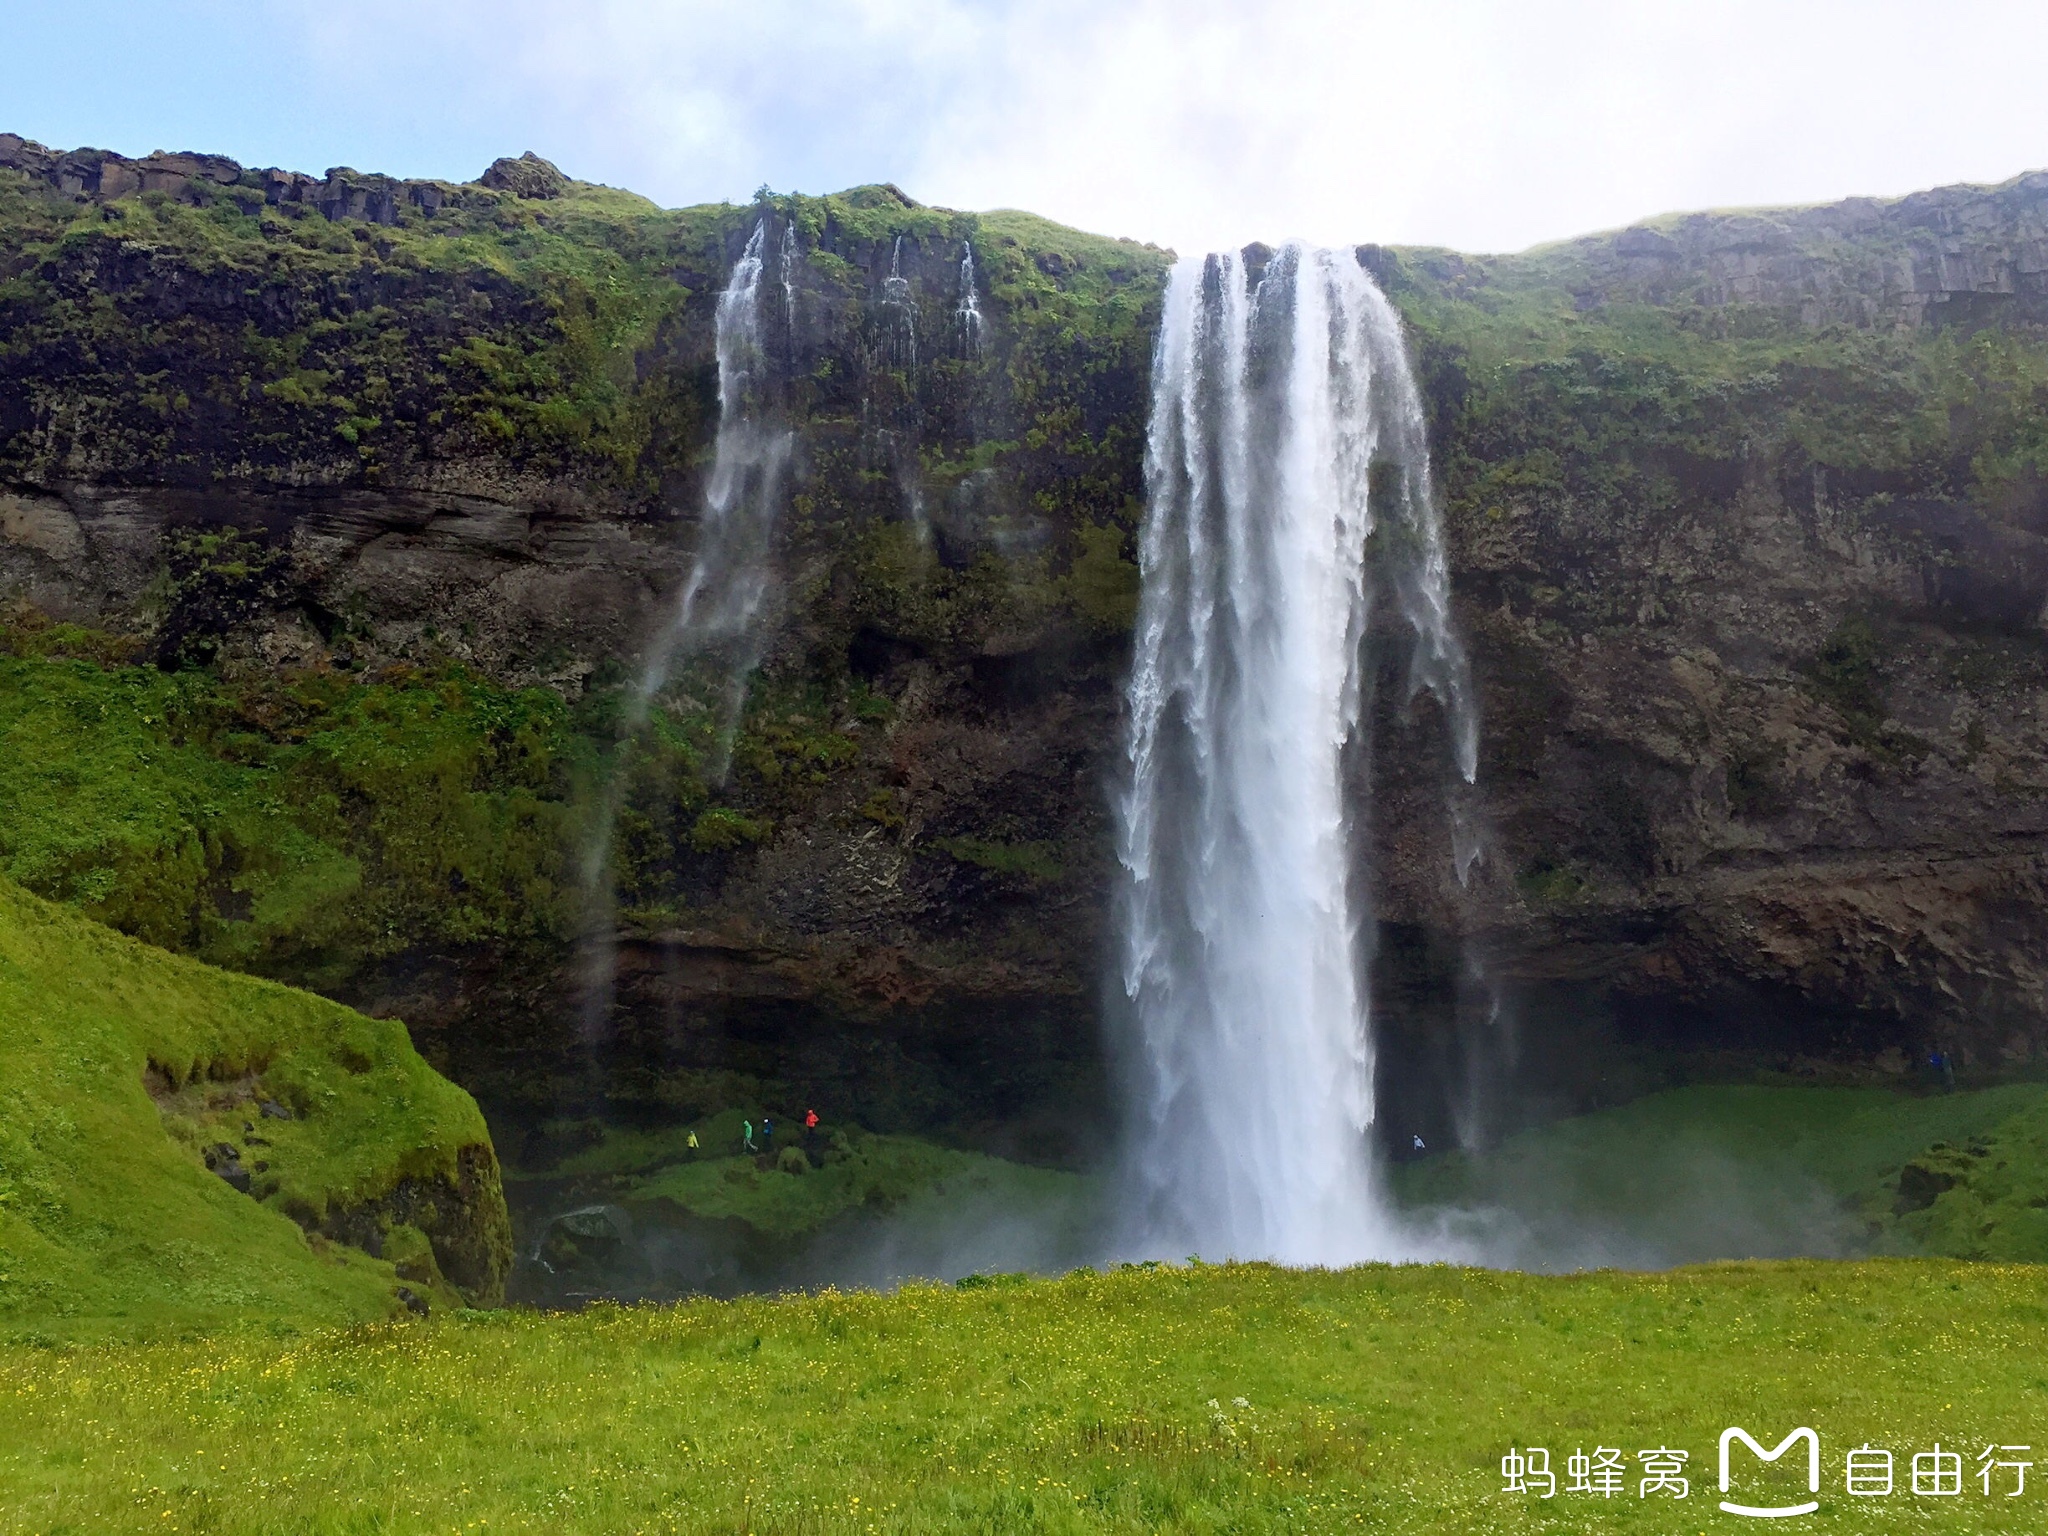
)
(1037, 863)
(1592, 426)
(212, 582)
(882, 809)
(301, 826)
(109, 1217)
(1544, 883)
(494, 327)
(1827, 1160)
(601, 1148)
(1847, 673)
(873, 1173)
(1986, 1199)
(681, 823)
(1102, 583)
(722, 829)
(835, 1171)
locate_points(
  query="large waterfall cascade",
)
(1288, 483)
(719, 614)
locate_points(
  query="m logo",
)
(1812, 1472)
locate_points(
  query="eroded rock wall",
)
(1749, 538)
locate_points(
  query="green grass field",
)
(1237, 1399)
(180, 1355)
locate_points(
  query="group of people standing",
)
(767, 1142)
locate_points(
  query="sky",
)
(1484, 125)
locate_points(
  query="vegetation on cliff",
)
(801, 1181)
(185, 1147)
(303, 825)
(1576, 432)
(1751, 567)
(206, 336)
(966, 489)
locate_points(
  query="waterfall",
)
(786, 265)
(719, 606)
(1288, 486)
(718, 616)
(968, 315)
(902, 312)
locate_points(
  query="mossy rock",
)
(179, 1145)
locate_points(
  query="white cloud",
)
(1483, 124)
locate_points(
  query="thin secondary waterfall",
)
(786, 263)
(719, 606)
(901, 309)
(968, 314)
(1288, 482)
(718, 616)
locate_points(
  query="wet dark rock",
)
(461, 1216)
(225, 1160)
(1725, 826)
(1930, 1176)
(590, 1237)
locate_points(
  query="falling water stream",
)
(968, 314)
(720, 605)
(718, 616)
(1288, 480)
(901, 309)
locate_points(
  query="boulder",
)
(528, 176)
(223, 1159)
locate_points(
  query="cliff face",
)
(1952, 255)
(1750, 536)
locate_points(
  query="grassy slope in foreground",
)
(1375, 1399)
(109, 1219)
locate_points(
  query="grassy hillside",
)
(301, 826)
(800, 1190)
(1241, 1399)
(1765, 1171)
(128, 1074)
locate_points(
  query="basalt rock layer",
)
(1749, 530)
